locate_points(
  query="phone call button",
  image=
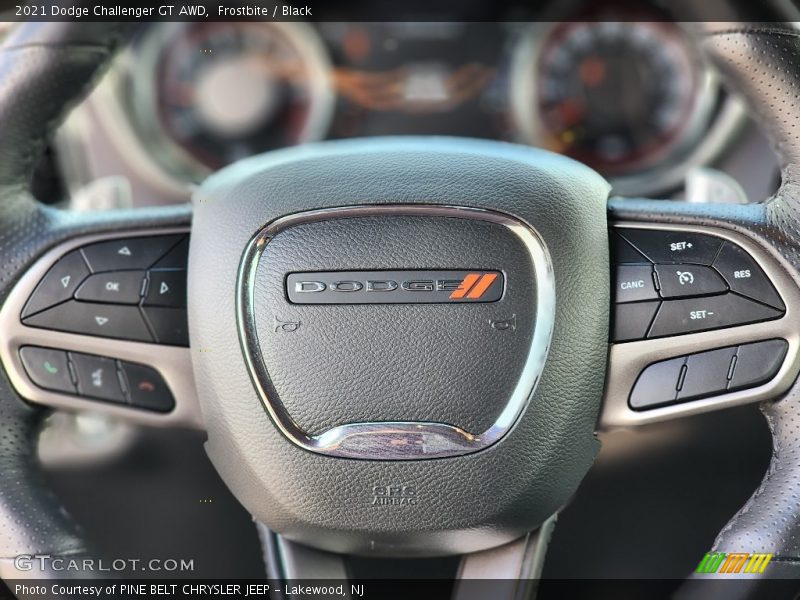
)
(47, 368)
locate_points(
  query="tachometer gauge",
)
(618, 96)
(225, 91)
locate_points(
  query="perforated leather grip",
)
(762, 62)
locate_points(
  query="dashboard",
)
(625, 92)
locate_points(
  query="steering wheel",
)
(400, 346)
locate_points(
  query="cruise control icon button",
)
(680, 281)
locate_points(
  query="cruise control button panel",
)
(706, 374)
(124, 288)
(97, 378)
(700, 282)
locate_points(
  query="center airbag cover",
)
(362, 350)
(452, 505)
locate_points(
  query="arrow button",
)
(128, 253)
(58, 284)
(167, 288)
(110, 321)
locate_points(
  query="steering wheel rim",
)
(60, 61)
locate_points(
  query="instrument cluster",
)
(630, 98)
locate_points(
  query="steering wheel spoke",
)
(98, 322)
(703, 315)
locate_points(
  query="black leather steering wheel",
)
(399, 425)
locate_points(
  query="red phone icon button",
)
(146, 388)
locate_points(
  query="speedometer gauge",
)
(229, 90)
(618, 96)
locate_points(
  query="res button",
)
(744, 275)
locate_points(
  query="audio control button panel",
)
(126, 288)
(708, 373)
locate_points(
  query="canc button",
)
(634, 283)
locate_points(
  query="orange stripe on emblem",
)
(464, 286)
(483, 285)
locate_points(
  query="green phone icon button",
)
(50, 368)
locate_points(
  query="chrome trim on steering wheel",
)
(403, 440)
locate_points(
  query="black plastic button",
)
(104, 320)
(117, 287)
(146, 388)
(128, 253)
(633, 283)
(169, 325)
(166, 288)
(699, 314)
(680, 281)
(657, 384)
(673, 246)
(744, 275)
(757, 363)
(622, 252)
(58, 284)
(47, 368)
(706, 373)
(631, 321)
(97, 377)
(177, 258)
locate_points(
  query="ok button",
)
(118, 287)
(634, 283)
